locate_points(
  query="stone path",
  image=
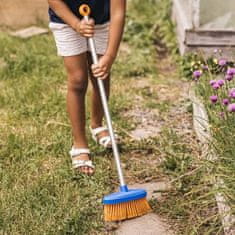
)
(150, 121)
(29, 32)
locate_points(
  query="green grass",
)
(191, 203)
(39, 194)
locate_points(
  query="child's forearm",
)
(118, 8)
(64, 12)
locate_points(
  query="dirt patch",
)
(3, 64)
(169, 105)
(125, 49)
(15, 15)
(147, 122)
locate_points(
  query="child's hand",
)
(102, 69)
(86, 28)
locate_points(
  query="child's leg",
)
(97, 113)
(76, 67)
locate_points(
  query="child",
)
(70, 32)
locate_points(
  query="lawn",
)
(39, 193)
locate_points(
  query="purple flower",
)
(221, 82)
(215, 51)
(225, 102)
(232, 93)
(229, 77)
(222, 62)
(213, 99)
(231, 108)
(216, 86)
(197, 74)
(231, 71)
(212, 82)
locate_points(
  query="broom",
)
(128, 203)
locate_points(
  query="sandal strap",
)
(98, 130)
(105, 140)
(78, 151)
(82, 163)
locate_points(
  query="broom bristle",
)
(127, 210)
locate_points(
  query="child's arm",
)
(117, 13)
(83, 27)
(118, 10)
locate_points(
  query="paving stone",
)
(148, 123)
(29, 32)
(149, 224)
(144, 133)
(153, 189)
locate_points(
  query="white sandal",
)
(104, 141)
(76, 164)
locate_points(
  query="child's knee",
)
(77, 82)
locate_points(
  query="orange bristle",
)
(127, 210)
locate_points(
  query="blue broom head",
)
(125, 195)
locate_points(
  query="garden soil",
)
(17, 14)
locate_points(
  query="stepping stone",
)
(147, 122)
(150, 224)
(153, 189)
(144, 133)
(29, 32)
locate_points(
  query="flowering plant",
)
(215, 84)
(216, 77)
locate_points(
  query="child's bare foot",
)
(81, 161)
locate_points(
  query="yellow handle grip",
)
(84, 10)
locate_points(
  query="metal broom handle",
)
(85, 12)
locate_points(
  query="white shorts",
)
(70, 43)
